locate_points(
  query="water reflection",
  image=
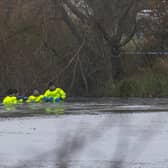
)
(87, 106)
(106, 133)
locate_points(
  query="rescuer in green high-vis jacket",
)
(54, 94)
(36, 97)
(12, 98)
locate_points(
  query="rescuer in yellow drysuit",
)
(12, 98)
(36, 97)
(54, 94)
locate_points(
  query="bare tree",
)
(115, 20)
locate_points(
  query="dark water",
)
(85, 133)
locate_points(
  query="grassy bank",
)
(148, 84)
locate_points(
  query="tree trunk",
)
(116, 63)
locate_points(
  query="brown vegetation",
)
(76, 44)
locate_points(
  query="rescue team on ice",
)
(52, 94)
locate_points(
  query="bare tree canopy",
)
(77, 43)
(115, 20)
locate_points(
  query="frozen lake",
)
(88, 133)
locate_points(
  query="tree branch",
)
(130, 36)
(74, 10)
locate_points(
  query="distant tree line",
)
(79, 44)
